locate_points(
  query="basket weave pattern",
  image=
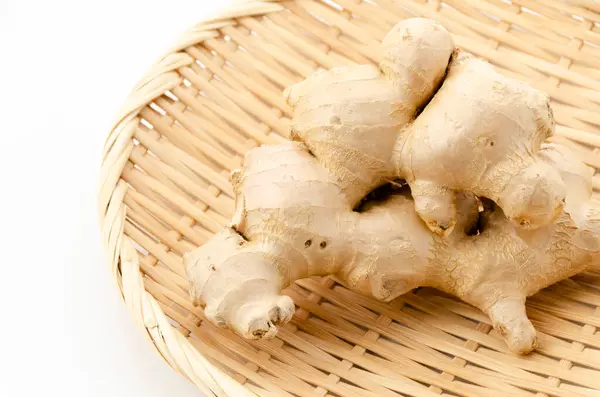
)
(217, 94)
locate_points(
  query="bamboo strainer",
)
(217, 93)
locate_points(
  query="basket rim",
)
(123, 259)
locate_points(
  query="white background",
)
(65, 69)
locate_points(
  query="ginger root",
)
(460, 135)
(436, 117)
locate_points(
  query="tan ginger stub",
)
(452, 128)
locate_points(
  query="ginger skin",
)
(294, 221)
(454, 130)
(439, 119)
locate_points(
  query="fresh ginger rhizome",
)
(460, 135)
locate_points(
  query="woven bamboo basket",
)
(217, 93)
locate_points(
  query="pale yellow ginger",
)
(294, 221)
(451, 127)
(436, 117)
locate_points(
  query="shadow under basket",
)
(218, 93)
